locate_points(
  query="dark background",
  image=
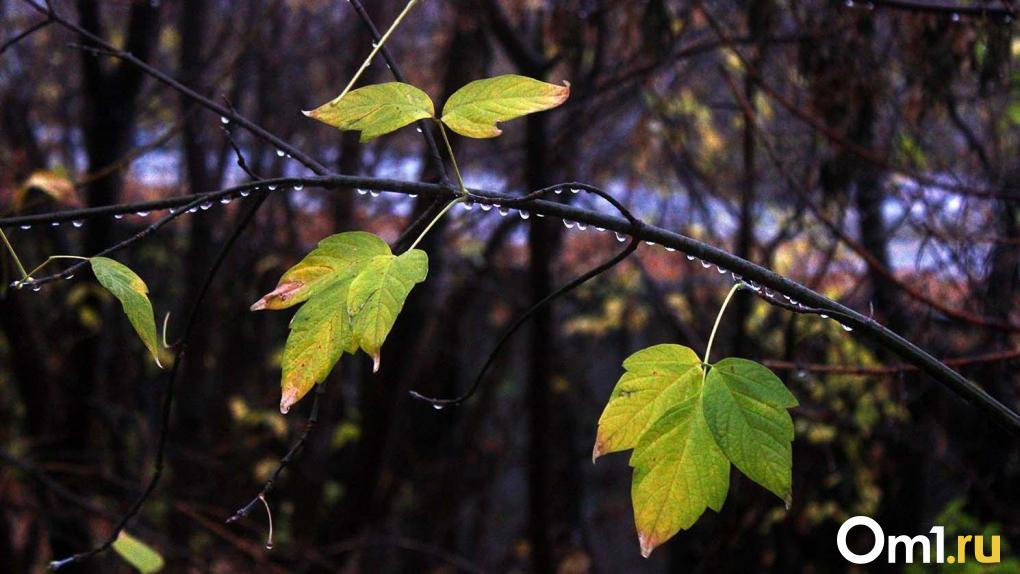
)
(883, 172)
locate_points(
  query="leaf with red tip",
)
(475, 110)
(377, 295)
(327, 263)
(679, 471)
(655, 380)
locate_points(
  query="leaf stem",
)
(453, 158)
(436, 219)
(14, 254)
(50, 259)
(378, 46)
(718, 319)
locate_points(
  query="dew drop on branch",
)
(119, 216)
(245, 193)
(568, 224)
(620, 237)
(26, 227)
(362, 191)
(298, 187)
(77, 223)
(524, 214)
(503, 211)
(374, 193)
(582, 226)
(280, 153)
(206, 205)
(485, 206)
(224, 120)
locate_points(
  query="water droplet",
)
(849, 3)
(77, 223)
(413, 195)
(38, 288)
(575, 190)
(55, 224)
(670, 249)
(193, 210)
(568, 224)
(503, 211)
(69, 277)
(690, 257)
(620, 237)
(600, 229)
(437, 407)
(485, 206)
(374, 193)
(224, 120)
(245, 193)
(846, 327)
(119, 216)
(540, 214)
(272, 188)
(557, 191)
(280, 153)
(582, 226)
(26, 227)
(142, 214)
(206, 205)
(269, 545)
(418, 130)
(361, 191)
(705, 264)
(524, 214)
(467, 206)
(955, 17)
(823, 316)
(650, 243)
(225, 200)
(298, 187)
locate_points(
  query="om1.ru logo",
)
(909, 545)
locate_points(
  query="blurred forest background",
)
(881, 167)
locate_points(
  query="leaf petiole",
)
(14, 254)
(436, 219)
(718, 319)
(453, 158)
(50, 259)
(378, 46)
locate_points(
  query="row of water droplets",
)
(954, 16)
(504, 211)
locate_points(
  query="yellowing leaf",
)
(377, 295)
(656, 379)
(319, 334)
(475, 109)
(352, 287)
(53, 183)
(330, 261)
(376, 110)
(745, 407)
(133, 295)
(138, 554)
(679, 471)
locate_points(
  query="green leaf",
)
(745, 407)
(133, 295)
(378, 293)
(331, 261)
(679, 471)
(656, 379)
(474, 110)
(138, 554)
(376, 110)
